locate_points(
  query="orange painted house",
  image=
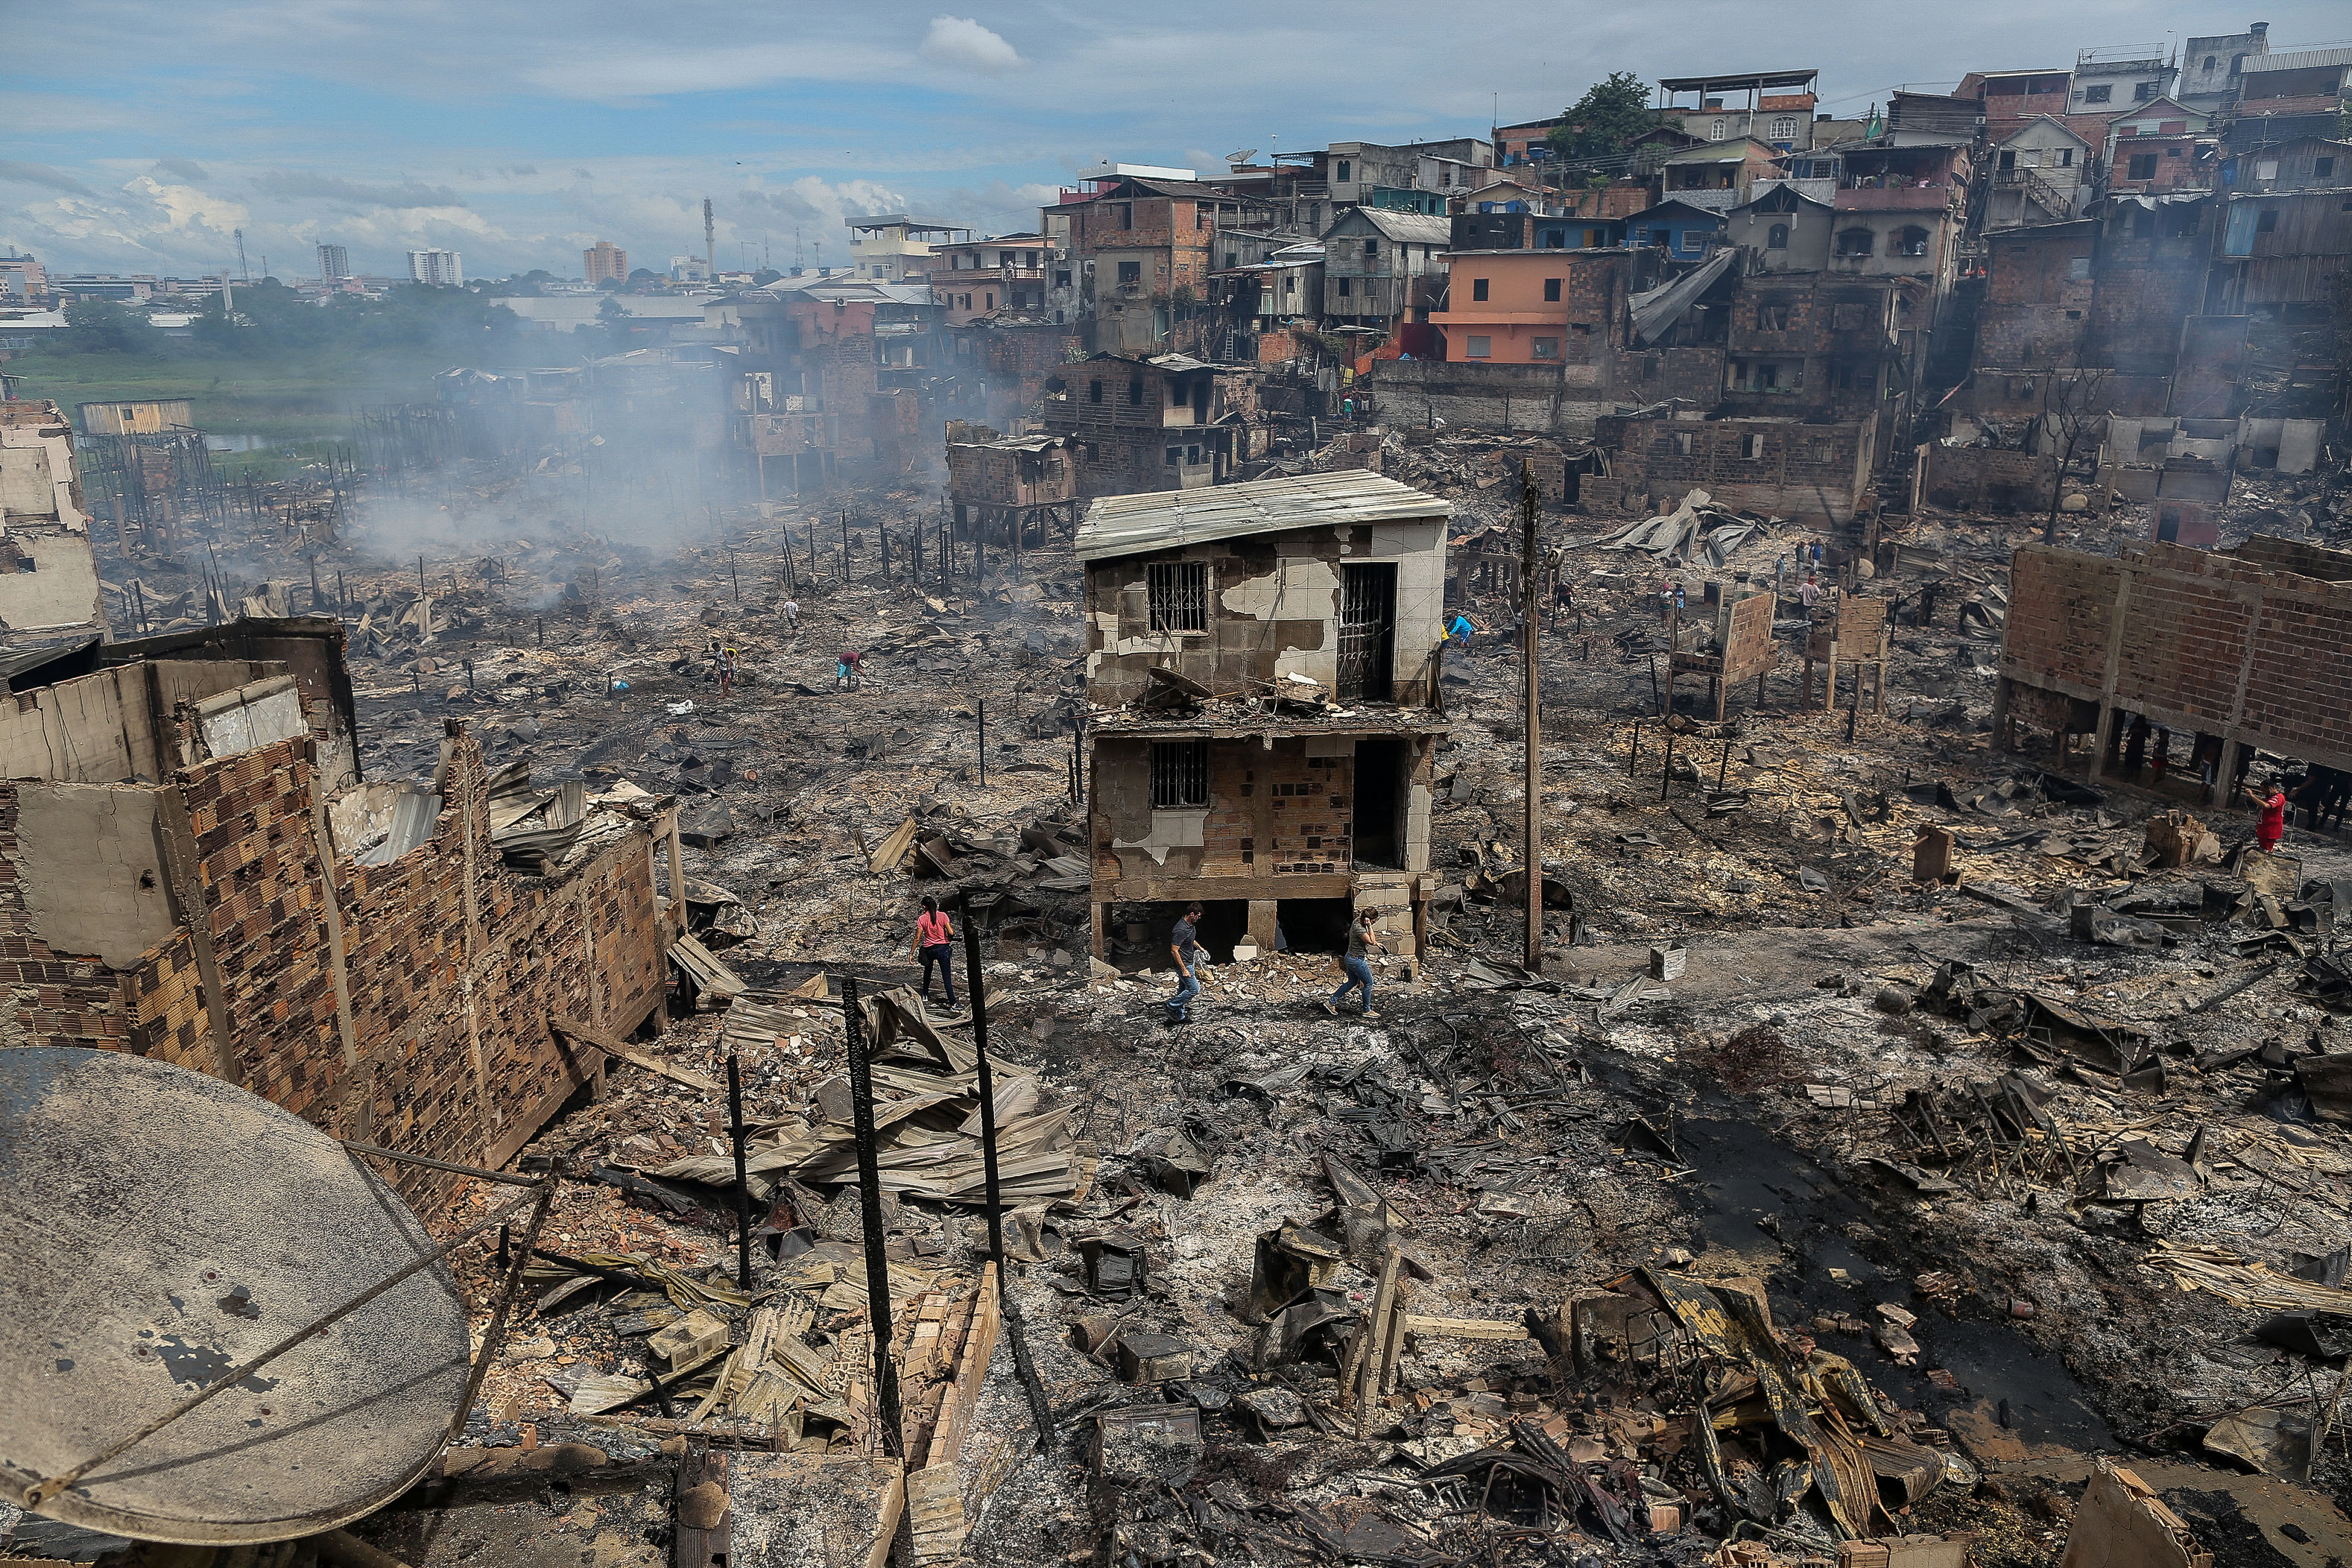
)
(1507, 307)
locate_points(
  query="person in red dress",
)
(2272, 826)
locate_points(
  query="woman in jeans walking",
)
(933, 939)
(1361, 941)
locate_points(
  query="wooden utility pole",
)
(1527, 624)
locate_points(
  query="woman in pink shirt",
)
(934, 937)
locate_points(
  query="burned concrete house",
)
(191, 871)
(49, 574)
(1167, 423)
(1262, 664)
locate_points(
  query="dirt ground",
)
(1535, 1137)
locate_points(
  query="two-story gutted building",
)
(1262, 674)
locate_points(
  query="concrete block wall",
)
(1803, 472)
(1987, 479)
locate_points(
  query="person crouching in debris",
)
(934, 937)
(1362, 940)
(849, 670)
(2272, 826)
(726, 670)
(1184, 947)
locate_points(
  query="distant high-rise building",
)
(442, 267)
(605, 260)
(688, 270)
(334, 262)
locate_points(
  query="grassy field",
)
(284, 400)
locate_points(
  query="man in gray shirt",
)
(1184, 947)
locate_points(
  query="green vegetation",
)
(285, 370)
(1604, 121)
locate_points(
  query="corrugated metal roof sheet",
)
(1127, 525)
(2295, 60)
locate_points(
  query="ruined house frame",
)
(1279, 755)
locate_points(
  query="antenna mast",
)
(244, 274)
(709, 241)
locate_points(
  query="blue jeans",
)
(1359, 973)
(1187, 987)
(939, 954)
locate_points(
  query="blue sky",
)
(141, 135)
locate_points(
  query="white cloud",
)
(961, 43)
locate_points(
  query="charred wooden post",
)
(869, 1195)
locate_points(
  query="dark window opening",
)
(1179, 775)
(1367, 632)
(1130, 272)
(2268, 222)
(1379, 794)
(1094, 391)
(1776, 237)
(1315, 925)
(2100, 94)
(1135, 391)
(2140, 166)
(1551, 290)
(1478, 288)
(1857, 242)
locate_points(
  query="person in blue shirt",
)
(1460, 630)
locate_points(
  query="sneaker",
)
(1370, 1013)
(1330, 1007)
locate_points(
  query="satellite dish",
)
(1244, 156)
(162, 1229)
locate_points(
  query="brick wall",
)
(2210, 641)
(454, 964)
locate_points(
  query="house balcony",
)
(1893, 198)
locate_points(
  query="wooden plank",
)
(980, 1347)
(1466, 1328)
(893, 849)
(1377, 1321)
(614, 1046)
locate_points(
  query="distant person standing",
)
(726, 670)
(934, 940)
(792, 615)
(1184, 947)
(2272, 826)
(1363, 941)
(1808, 594)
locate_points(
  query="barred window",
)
(1180, 591)
(1179, 774)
